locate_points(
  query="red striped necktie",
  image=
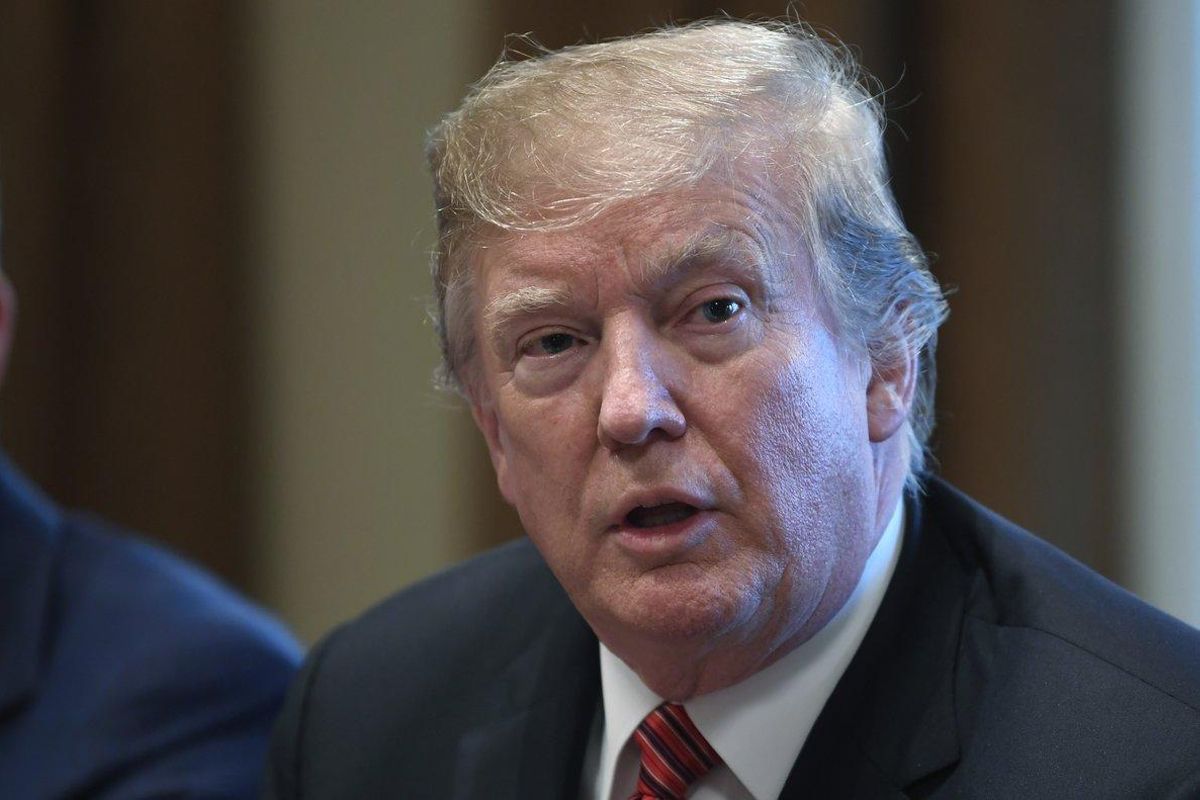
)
(674, 754)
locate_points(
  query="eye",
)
(549, 344)
(720, 310)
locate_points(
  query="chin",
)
(681, 603)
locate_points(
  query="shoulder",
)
(124, 598)
(455, 628)
(1059, 665)
(153, 675)
(1024, 582)
(107, 575)
(394, 692)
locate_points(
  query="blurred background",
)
(217, 218)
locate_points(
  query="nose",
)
(637, 406)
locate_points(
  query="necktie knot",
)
(674, 754)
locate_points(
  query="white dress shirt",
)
(757, 726)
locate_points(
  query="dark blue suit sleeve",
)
(150, 679)
(193, 720)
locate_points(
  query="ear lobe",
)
(889, 397)
(489, 426)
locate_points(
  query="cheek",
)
(802, 417)
(547, 449)
(806, 445)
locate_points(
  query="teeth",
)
(642, 517)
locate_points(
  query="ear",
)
(485, 418)
(890, 396)
(8, 321)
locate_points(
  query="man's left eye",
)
(721, 310)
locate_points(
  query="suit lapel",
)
(28, 550)
(890, 723)
(533, 745)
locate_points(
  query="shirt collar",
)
(759, 725)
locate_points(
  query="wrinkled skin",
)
(674, 349)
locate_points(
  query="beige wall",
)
(359, 466)
(1159, 312)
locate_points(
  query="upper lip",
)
(658, 496)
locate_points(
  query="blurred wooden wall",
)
(122, 203)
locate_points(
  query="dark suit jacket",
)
(125, 673)
(996, 667)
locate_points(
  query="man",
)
(125, 673)
(698, 340)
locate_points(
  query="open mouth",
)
(665, 514)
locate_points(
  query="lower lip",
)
(672, 538)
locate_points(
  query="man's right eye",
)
(549, 344)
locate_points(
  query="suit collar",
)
(532, 744)
(890, 723)
(29, 540)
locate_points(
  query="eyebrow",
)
(526, 300)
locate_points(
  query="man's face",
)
(671, 415)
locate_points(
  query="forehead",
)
(646, 240)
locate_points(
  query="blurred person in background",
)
(675, 289)
(125, 672)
